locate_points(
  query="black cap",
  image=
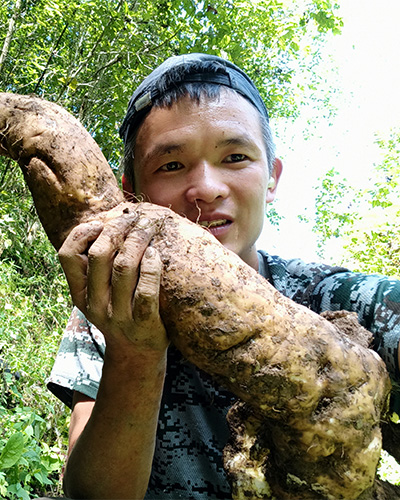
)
(228, 75)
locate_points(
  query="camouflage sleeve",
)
(79, 361)
(376, 300)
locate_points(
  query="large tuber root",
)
(260, 466)
(66, 172)
(320, 394)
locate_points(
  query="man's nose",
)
(206, 183)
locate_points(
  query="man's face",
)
(207, 161)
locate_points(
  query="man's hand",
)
(114, 279)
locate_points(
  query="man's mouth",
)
(213, 223)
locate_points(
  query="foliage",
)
(388, 468)
(365, 222)
(363, 225)
(27, 463)
(87, 56)
(35, 306)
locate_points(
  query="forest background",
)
(88, 56)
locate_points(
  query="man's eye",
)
(171, 166)
(236, 157)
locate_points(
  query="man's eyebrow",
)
(240, 140)
(161, 150)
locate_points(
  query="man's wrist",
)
(133, 360)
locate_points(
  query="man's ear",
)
(274, 180)
(127, 188)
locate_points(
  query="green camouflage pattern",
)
(376, 300)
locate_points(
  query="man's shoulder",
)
(276, 266)
(294, 276)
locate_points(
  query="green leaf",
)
(12, 451)
(19, 491)
(42, 478)
(394, 418)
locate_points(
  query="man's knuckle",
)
(123, 264)
(98, 252)
(141, 235)
(152, 267)
(63, 254)
(146, 294)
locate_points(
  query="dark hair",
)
(195, 79)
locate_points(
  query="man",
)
(146, 423)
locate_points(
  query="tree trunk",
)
(313, 396)
(10, 32)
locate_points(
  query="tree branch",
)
(56, 45)
(10, 31)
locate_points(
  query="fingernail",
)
(143, 223)
(96, 224)
(149, 253)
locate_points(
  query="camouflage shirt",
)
(192, 430)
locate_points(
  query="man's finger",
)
(146, 301)
(100, 262)
(74, 261)
(126, 268)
